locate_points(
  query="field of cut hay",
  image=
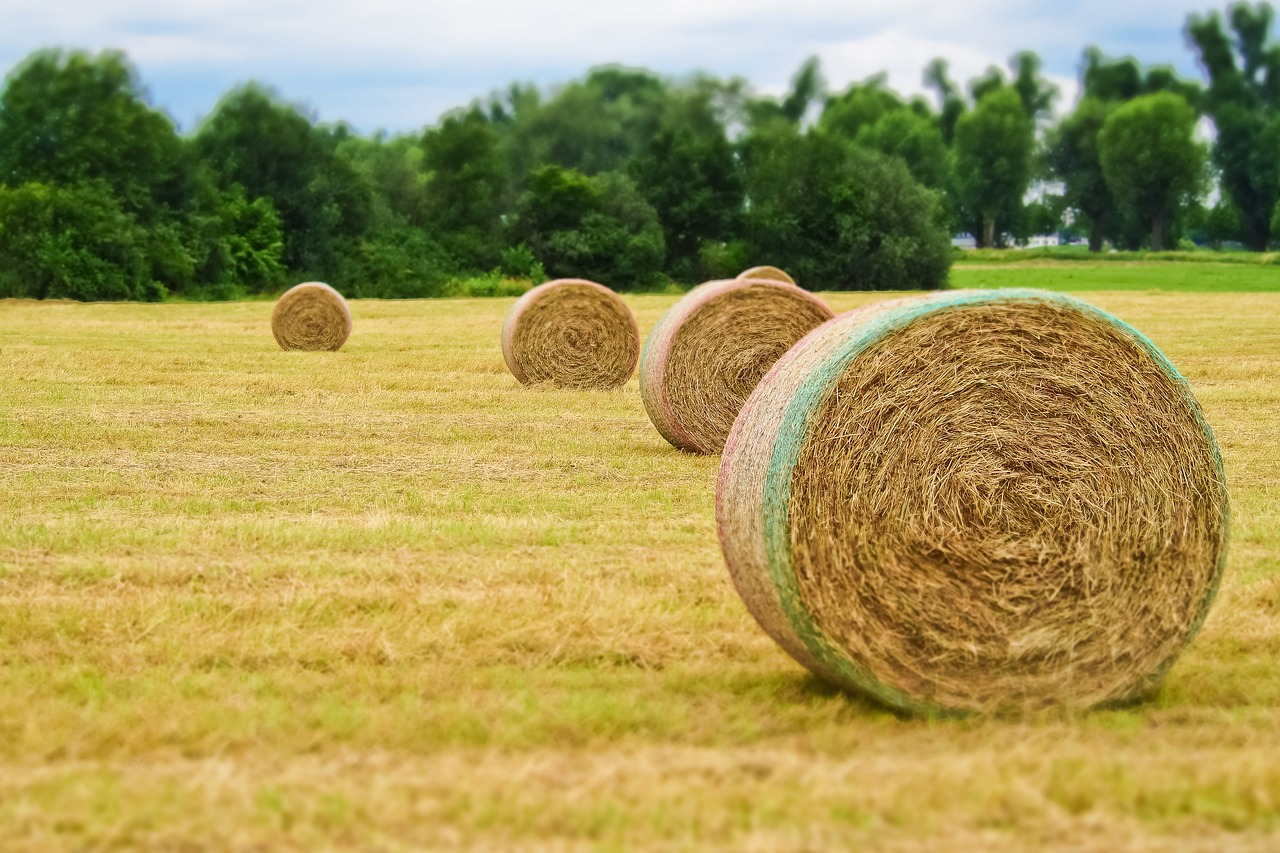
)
(388, 598)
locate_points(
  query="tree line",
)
(630, 178)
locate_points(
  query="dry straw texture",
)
(767, 273)
(572, 334)
(707, 353)
(976, 502)
(311, 316)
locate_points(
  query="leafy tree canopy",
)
(1243, 99)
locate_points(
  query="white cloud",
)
(399, 63)
(903, 56)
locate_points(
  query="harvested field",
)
(388, 598)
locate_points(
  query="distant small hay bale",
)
(311, 316)
(767, 273)
(571, 333)
(976, 502)
(708, 352)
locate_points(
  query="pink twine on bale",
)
(706, 354)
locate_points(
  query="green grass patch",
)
(1185, 277)
(1081, 254)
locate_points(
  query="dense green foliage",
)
(271, 150)
(630, 178)
(1243, 99)
(839, 217)
(595, 227)
(71, 242)
(103, 199)
(1151, 161)
(993, 145)
(1074, 153)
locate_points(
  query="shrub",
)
(519, 262)
(72, 242)
(399, 263)
(493, 283)
(839, 217)
(717, 260)
(594, 227)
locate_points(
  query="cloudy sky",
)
(398, 64)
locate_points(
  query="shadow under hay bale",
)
(976, 502)
(571, 333)
(311, 316)
(767, 273)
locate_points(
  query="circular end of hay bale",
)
(707, 353)
(571, 333)
(976, 502)
(767, 273)
(311, 316)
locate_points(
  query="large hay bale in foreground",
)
(708, 352)
(767, 273)
(311, 316)
(976, 502)
(573, 334)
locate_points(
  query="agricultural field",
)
(389, 599)
(1168, 276)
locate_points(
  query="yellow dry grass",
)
(389, 599)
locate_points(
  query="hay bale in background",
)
(573, 334)
(767, 273)
(311, 316)
(708, 352)
(976, 502)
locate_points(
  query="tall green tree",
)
(272, 150)
(951, 104)
(596, 227)
(598, 124)
(841, 217)
(689, 174)
(71, 242)
(876, 117)
(1243, 99)
(467, 188)
(808, 87)
(1072, 156)
(913, 138)
(66, 118)
(1152, 163)
(1119, 80)
(1071, 148)
(993, 149)
(992, 143)
(73, 118)
(860, 106)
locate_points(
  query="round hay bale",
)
(311, 316)
(767, 273)
(708, 352)
(981, 501)
(571, 333)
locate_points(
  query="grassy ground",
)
(1081, 254)
(1182, 276)
(388, 599)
